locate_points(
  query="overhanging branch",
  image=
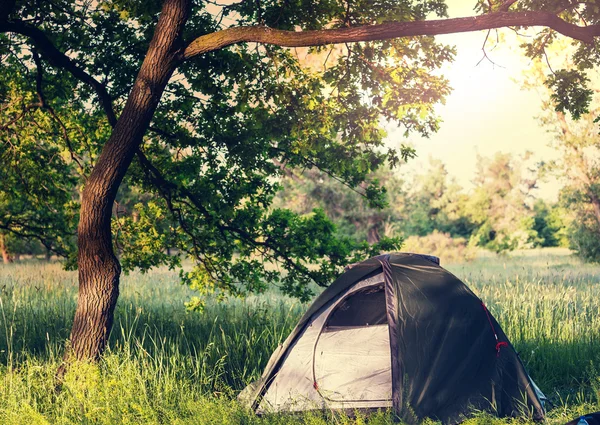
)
(261, 34)
(39, 79)
(34, 233)
(169, 191)
(60, 60)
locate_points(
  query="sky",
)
(487, 112)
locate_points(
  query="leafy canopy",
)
(230, 123)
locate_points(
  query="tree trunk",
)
(6, 258)
(373, 234)
(595, 204)
(99, 268)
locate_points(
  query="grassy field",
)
(166, 366)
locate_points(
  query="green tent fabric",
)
(434, 348)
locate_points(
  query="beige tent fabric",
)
(354, 364)
(293, 387)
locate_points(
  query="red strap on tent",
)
(315, 385)
(499, 344)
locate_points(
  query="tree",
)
(435, 202)
(210, 143)
(354, 216)
(37, 199)
(6, 257)
(579, 167)
(549, 224)
(577, 141)
(501, 205)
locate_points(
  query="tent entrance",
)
(352, 359)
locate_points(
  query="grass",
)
(166, 366)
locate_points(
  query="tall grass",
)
(166, 366)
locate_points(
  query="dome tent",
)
(397, 331)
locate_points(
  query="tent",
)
(397, 331)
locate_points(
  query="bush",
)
(583, 238)
(442, 245)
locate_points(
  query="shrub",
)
(442, 245)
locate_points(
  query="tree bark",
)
(261, 34)
(373, 231)
(373, 235)
(6, 257)
(99, 268)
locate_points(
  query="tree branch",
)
(59, 59)
(26, 109)
(6, 8)
(28, 232)
(169, 187)
(39, 79)
(260, 34)
(506, 5)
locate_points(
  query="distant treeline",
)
(500, 213)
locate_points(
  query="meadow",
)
(168, 366)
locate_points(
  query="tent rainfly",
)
(397, 331)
